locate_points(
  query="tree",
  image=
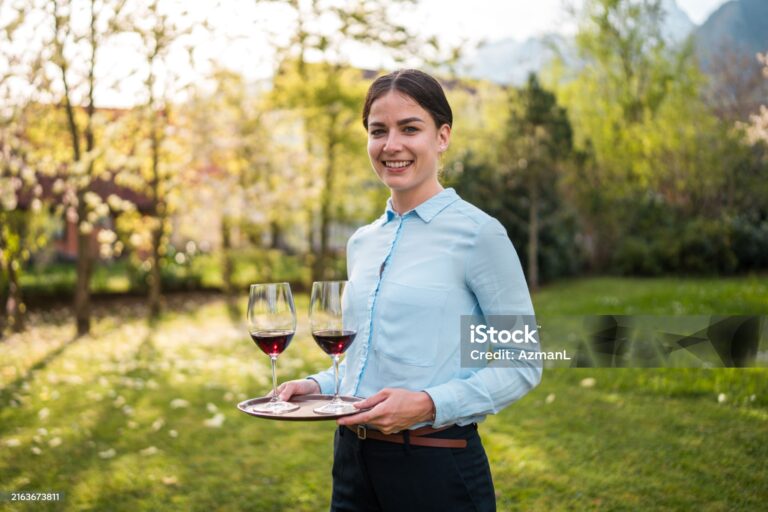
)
(77, 84)
(21, 232)
(161, 33)
(237, 161)
(314, 77)
(539, 144)
(631, 86)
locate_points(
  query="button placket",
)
(372, 304)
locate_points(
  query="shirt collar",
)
(429, 209)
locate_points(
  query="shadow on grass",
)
(7, 392)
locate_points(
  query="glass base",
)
(336, 407)
(276, 407)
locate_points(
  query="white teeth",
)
(398, 165)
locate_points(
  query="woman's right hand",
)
(297, 387)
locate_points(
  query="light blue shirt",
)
(411, 278)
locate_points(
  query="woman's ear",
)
(443, 137)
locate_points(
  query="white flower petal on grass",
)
(43, 413)
(146, 452)
(42, 431)
(128, 410)
(228, 396)
(36, 450)
(722, 398)
(173, 433)
(53, 443)
(215, 422)
(108, 454)
(752, 398)
(179, 403)
(12, 442)
(589, 382)
(550, 398)
(211, 407)
(158, 424)
(119, 401)
(132, 424)
(170, 480)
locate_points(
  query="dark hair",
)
(425, 90)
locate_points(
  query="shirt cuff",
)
(443, 398)
(325, 382)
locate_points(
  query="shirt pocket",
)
(410, 320)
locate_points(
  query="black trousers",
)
(370, 475)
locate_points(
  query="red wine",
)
(272, 343)
(334, 342)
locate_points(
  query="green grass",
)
(93, 417)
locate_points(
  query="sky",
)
(251, 29)
(452, 21)
(520, 19)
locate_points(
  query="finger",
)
(372, 400)
(369, 416)
(287, 391)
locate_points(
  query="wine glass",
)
(334, 331)
(272, 324)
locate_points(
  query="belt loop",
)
(407, 441)
(362, 433)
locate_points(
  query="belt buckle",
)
(362, 432)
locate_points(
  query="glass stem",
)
(336, 375)
(274, 379)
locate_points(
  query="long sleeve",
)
(325, 378)
(494, 274)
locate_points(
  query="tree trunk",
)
(155, 285)
(311, 242)
(84, 255)
(84, 270)
(326, 197)
(226, 250)
(533, 236)
(14, 306)
(275, 235)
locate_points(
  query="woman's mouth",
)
(397, 165)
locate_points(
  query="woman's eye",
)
(376, 133)
(410, 129)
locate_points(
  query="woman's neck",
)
(406, 200)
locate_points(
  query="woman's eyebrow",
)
(401, 122)
(408, 120)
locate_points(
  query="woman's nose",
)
(392, 143)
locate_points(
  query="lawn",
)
(142, 417)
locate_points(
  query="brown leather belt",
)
(415, 437)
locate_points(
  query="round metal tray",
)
(304, 413)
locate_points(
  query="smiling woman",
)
(430, 259)
(405, 140)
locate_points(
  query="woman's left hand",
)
(392, 410)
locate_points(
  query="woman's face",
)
(404, 144)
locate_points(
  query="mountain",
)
(738, 27)
(509, 61)
(677, 25)
(726, 45)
